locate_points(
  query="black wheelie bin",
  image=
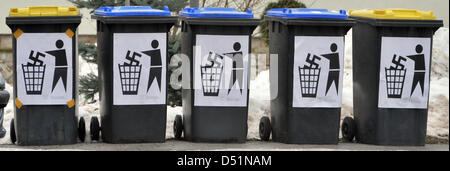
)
(306, 75)
(217, 43)
(132, 68)
(45, 75)
(391, 76)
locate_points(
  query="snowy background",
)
(259, 103)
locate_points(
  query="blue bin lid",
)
(215, 13)
(306, 13)
(132, 11)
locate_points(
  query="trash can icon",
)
(391, 68)
(129, 78)
(211, 77)
(211, 74)
(395, 78)
(45, 80)
(34, 78)
(309, 81)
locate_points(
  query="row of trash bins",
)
(391, 69)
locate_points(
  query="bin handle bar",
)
(44, 11)
(396, 13)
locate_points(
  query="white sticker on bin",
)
(139, 67)
(44, 68)
(221, 68)
(404, 72)
(318, 71)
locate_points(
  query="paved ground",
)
(172, 145)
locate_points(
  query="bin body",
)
(305, 77)
(216, 73)
(388, 110)
(45, 74)
(132, 69)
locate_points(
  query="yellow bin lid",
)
(395, 14)
(41, 11)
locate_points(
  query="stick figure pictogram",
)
(60, 64)
(419, 69)
(333, 74)
(237, 71)
(155, 64)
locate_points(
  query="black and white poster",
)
(404, 72)
(318, 71)
(139, 68)
(221, 69)
(44, 68)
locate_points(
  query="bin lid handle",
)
(396, 14)
(307, 13)
(41, 11)
(132, 11)
(215, 13)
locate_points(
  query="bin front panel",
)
(139, 68)
(221, 65)
(44, 67)
(404, 72)
(318, 71)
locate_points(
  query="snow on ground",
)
(438, 119)
(86, 68)
(171, 113)
(259, 103)
(259, 100)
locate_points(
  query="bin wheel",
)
(178, 126)
(12, 132)
(2, 132)
(265, 128)
(348, 129)
(2, 129)
(95, 129)
(81, 129)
